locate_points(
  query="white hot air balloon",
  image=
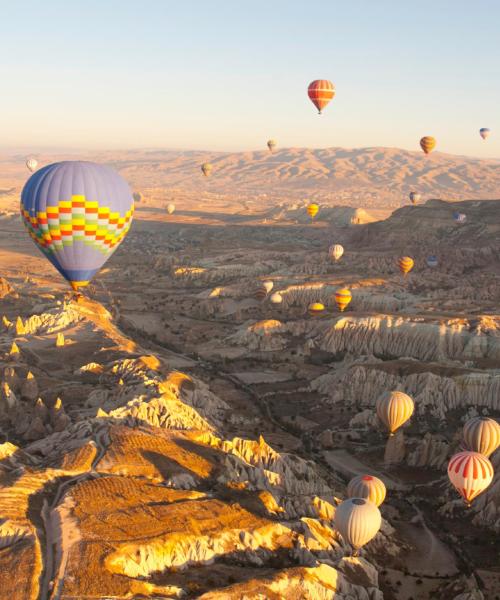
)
(170, 208)
(471, 473)
(484, 132)
(276, 298)
(336, 251)
(32, 164)
(358, 521)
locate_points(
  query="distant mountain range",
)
(361, 176)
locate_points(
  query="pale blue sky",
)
(229, 74)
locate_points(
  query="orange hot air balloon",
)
(482, 435)
(342, 298)
(320, 92)
(471, 473)
(315, 308)
(428, 143)
(368, 487)
(405, 264)
(312, 210)
(394, 409)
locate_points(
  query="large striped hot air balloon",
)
(342, 298)
(358, 521)
(31, 163)
(367, 486)
(336, 251)
(263, 290)
(414, 197)
(394, 409)
(312, 210)
(484, 132)
(320, 92)
(471, 473)
(271, 144)
(77, 213)
(405, 264)
(427, 143)
(482, 434)
(315, 308)
(206, 168)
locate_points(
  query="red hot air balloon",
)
(320, 92)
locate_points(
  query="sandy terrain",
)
(189, 441)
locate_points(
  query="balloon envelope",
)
(432, 261)
(358, 521)
(405, 264)
(315, 308)
(482, 434)
(206, 169)
(77, 213)
(427, 143)
(394, 409)
(459, 217)
(414, 197)
(32, 164)
(484, 132)
(312, 210)
(170, 208)
(342, 298)
(137, 196)
(368, 487)
(471, 473)
(320, 92)
(271, 144)
(276, 298)
(336, 251)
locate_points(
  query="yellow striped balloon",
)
(394, 409)
(471, 473)
(367, 486)
(482, 434)
(428, 143)
(312, 210)
(405, 264)
(342, 298)
(315, 308)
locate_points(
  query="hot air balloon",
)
(427, 143)
(471, 473)
(358, 521)
(31, 163)
(432, 261)
(342, 298)
(336, 251)
(367, 486)
(320, 92)
(315, 308)
(271, 144)
(312, 210)
(394, 409)
(77, 213)
(414, 197)
(260, 293)
(276, 298)
(482, 434)
(484, 132)
(137, 196)
(459, 217)
(170, 208)
(405, 264)
(268, 285)
(206, 168)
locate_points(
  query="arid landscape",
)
(169, 435)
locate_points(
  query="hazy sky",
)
(229, 74)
